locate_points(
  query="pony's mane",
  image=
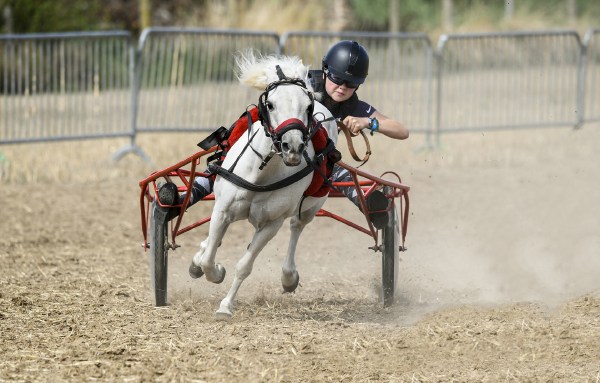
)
(258, 71)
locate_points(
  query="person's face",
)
(338, 93)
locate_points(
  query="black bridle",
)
(276, 134)
(292, 123)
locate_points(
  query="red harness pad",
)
(241, 126)
(317, 188)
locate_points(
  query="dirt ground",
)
(499, 283)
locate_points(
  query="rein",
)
(311, 166)
(275, 135)
(343, 128)
(248, 144)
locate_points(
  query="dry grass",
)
(498, 283)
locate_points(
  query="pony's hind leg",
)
(244, 266)
(289, 275)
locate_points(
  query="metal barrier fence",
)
(89, 85)
(400, 81)
(186, 77)
(591, 76)
(65, 86)
(508, 80)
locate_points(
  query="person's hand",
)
(356, 124)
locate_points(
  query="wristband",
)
(373, 125)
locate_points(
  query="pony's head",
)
(286, 105)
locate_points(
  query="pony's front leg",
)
(244, 266)
(289, 276)
(204, 260)
(195, 270)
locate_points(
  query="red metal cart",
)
(160, 235)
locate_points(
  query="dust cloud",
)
(495, 224)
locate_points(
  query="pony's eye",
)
(270, 106)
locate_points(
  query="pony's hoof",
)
(224, 312)
(222, 273)
(195, 271)
(291, 288)
(223, 315)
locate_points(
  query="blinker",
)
(215, 138)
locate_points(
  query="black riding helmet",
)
(348, 60)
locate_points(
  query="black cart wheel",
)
(390, 255)
(159, 251)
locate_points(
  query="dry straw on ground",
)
(498, 282)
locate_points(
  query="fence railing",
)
(186, 77)
(400, 80)
(65, 86)
(508, 80)
(591, 76)
(100, 84)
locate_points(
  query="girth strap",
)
(311, 166)
(239, 181)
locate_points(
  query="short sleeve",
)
(363, 109)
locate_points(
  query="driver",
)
(344, 68)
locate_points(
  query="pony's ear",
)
(315, 85)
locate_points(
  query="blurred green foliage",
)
(373, 15)
(425, 15)
(414, 14)
(31, 16)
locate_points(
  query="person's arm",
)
(387, 126)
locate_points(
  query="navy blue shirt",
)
(351, 107)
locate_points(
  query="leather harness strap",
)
(343, 128)
(314, 165)
(239, 181)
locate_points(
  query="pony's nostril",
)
(300, 148)
(285, 147)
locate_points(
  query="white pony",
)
(287, 109)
